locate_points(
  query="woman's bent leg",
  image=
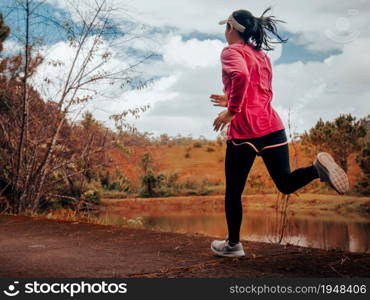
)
(277, 162)
(238, 162)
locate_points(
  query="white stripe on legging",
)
(254, 147)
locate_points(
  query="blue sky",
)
(320, 72)
(41, 23)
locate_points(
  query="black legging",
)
(238, 162)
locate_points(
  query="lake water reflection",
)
(317, 232)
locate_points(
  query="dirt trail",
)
(31, 247)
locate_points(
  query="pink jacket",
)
(247, 76)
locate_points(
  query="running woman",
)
(254, 127)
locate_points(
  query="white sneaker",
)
(223, 248)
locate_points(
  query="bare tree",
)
(90, 35)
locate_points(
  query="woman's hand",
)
(223, 118)
(220, 100)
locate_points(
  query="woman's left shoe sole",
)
(338, 178)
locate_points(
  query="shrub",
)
(149, 183)
(189, 184)
(80, 197)
(91, 196)
(204, 187)
(118, 183)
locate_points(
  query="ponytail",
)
(259, 29)
(264, 27)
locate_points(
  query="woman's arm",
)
(234, 65)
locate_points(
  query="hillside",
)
(203, 165)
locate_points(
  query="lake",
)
(334, 232)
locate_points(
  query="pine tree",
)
(339, 137)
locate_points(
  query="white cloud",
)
(192, 53)
(310, 90)
(12, 47)
(320, 25)
(191, 70)
(326, 89)
(180, 99)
